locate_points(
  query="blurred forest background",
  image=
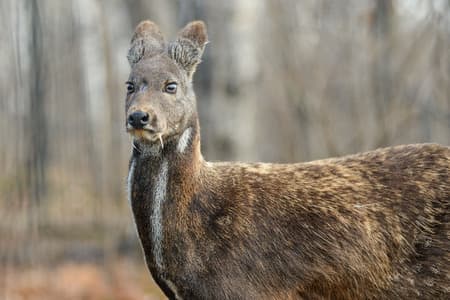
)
(281, 81)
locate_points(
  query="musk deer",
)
(367, 226)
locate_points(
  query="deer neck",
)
(160, 184)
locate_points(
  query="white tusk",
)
(161, 140)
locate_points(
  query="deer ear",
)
(187, 50)
(147, 41)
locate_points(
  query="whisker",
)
(136, 148)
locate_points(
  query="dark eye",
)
(171, 88)
(130, 87)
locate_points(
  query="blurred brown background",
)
(280, 81)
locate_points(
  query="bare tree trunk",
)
(37, 123)
(37, 134)
(381, 76)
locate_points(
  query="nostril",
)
(130, 119)
(144, 119)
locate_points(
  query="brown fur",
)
(368, 226)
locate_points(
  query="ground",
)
(120, 280)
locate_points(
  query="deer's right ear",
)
(187, 50)
(147, 41)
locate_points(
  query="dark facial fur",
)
(368, 226)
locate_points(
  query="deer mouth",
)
(147, 135)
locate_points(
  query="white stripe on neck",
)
(159, 196)
(184, 140)
(174, 289)
(130, 179)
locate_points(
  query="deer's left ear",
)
(187, 50)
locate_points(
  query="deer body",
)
(368, 226)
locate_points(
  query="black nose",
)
(138, 119)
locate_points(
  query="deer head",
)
(160, 101)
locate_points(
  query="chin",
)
(146, 138)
